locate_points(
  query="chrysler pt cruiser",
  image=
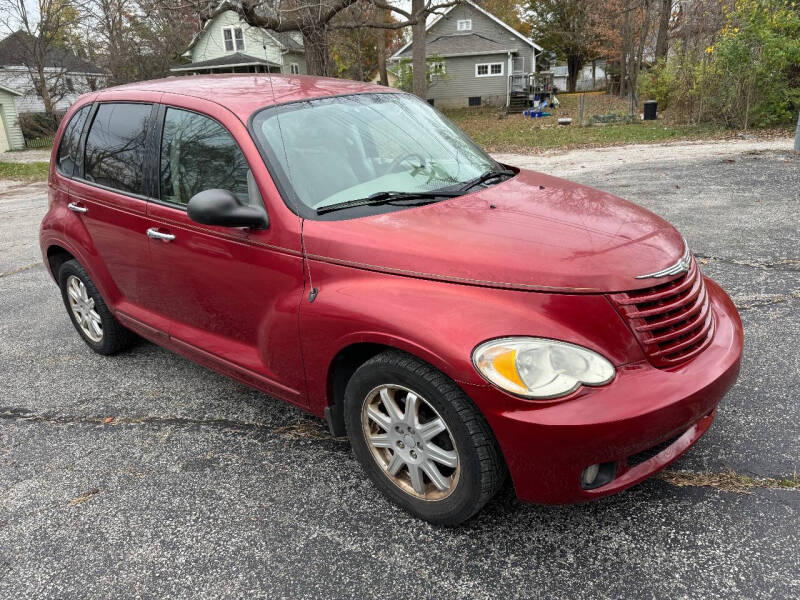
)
(345, 248)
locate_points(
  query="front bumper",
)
(547, 446)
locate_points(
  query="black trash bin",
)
(650, 110)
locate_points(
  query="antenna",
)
(312, 295)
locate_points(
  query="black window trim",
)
(147, 177)
(160, 117)
(78, 168)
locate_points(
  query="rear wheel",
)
(421, 439)
(89, 313)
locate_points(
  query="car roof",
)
(245, 93)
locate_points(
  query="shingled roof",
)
(237, 59)
(13, 52)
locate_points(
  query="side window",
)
(115, 147)
(197, 154)
(68, 148)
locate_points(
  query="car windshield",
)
(333, 150)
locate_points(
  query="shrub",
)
(37, 126)
(749, 77)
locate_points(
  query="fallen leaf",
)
(108, 419)
(84, 497)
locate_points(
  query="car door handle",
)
(75, 207)
(155, 234)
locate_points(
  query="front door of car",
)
(229, 295)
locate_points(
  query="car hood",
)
(532, 232)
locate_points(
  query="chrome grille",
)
(672, 321)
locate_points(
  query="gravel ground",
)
(25, 156)
(200, 487)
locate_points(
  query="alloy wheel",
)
(410, 442)
(83, 309)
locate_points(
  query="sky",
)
(33, 10)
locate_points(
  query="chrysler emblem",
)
(679, 267)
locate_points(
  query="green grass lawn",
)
(34, 171)
(515, 133)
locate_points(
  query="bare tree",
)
(138, 39)
(577, 30)
(636, 20)
(314, 18)
(41, 44)
(382, 50)
(421, 10)
(664, 18)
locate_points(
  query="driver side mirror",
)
(222, 208)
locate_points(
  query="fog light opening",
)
(595, 476)
(589, 475)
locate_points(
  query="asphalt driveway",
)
(144, 475)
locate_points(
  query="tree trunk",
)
(418, 64)
(384, 75)
(315, 40)
(574, 66)
(662, 40)
(626, 47)
(44, 91)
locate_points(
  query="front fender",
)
(442, 322)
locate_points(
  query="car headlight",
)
(540, 368)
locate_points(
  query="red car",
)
(345, 248)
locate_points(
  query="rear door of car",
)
(109, 190)
(230, 295)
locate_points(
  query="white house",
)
(585, 81)
(228, 45)
(67, 75)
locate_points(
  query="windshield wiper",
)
(386, 198)
(487, 176)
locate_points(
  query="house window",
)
(437, 69)
(430, 101)
(233, 38)
(70, 84)
(294, 69)
(474, 101)
(489, 69)
(464, 25)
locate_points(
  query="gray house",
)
(480, 56)
(227, 45)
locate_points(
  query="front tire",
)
(420, 439)
(89, 313)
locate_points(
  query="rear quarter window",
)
(115, 147)
(68, 150)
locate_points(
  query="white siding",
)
(212, 45)
(296, 58)
(18, 78)
(11, 136)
